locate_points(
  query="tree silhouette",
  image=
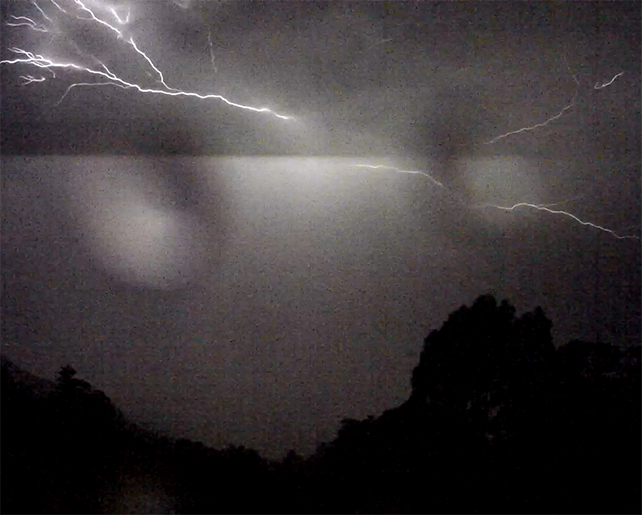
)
(480, 355)
(498, 421)
(496, 412)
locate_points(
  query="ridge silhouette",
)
(498, 421)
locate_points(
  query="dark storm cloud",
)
(306, 59)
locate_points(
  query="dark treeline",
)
(498, 421)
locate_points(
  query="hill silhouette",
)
(498, 421)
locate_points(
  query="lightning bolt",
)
(58, 6)
(106, 76)
(87, 84)
(399, 170)
(549, 120)
(209, 40)
(42, 62)
(532, 127)
(601, 86)
(96, 19)
(539, 207)
(44, 14)
(543, 207)
(23, 21)
(118, 18)
(547, 207)
(153, 66)
(565, 201)
(28, 79)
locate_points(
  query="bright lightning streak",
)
(96, 19)
(44, 15)
(40, 61)
(533, 127)
(58, 6)
(561, 201)
(111, 79)
(399, 170)
(541, 207)
(162, 79)
(546, 207)
(550, 120)
(28, 22)
(131, 41)
(28, 79)
(209, 40)
(600, 86)
(118, 18)
(89, 84)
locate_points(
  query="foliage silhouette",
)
(498, 421)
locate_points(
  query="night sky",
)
(230, 276)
